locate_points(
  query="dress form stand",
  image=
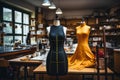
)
(56, 23)
(83, 56)
(56, 63)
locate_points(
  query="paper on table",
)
(42, 57)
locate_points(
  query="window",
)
(24, 39)
(8, 40)
(16, 25)
(25, 29)
(7, 28)
(18, 29)
(7, 14)
(25, 18)
(18, 17)
(18, 38)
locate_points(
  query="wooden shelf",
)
(32, 25)
(109, 23)
(112, 30)
(95, 35)
(70, 30)
(95, 41)
(32, 30)
(41, 29)
(39, 36)
(112, 35)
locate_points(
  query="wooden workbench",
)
(41, 69)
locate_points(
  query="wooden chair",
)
(5, 72)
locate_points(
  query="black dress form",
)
(56, 63)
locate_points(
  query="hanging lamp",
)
(59, 11)
(52, 6)
(46, 3)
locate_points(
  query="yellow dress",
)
(83, 56)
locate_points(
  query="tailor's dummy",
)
(56, 22)
(56, 63)
(83, 56)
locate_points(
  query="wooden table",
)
(10, 54)
(23, 61)
(86, 71)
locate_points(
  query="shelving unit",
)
(36, 31)
(112, 34)
(33, 31)
(112, 31)
(41, 31)
(71, 33)
(96, 36)
(106, 34)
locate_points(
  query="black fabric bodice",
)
(57, 63)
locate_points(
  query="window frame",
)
(13, 8)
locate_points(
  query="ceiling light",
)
(52, 6)
(46, 3)
(58, 11)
